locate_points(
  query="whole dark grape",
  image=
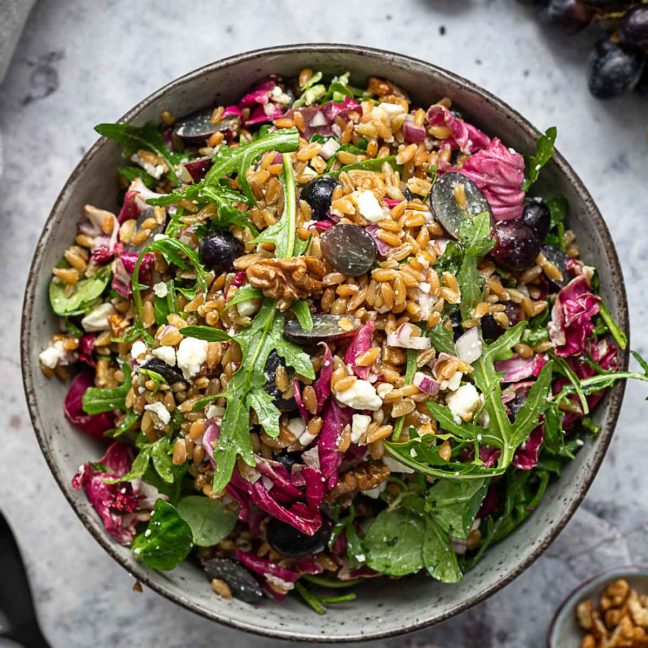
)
(317, 193)
(516, 246)
(219, 250)
(491, 330)
(615, 69)
(568, 15)
(288, 541)
(633, 28)
(538, 217)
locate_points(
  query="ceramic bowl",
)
(386, 607)
(564, 631)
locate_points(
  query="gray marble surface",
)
(80, 63)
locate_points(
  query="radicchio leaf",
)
(93, 424)
(123, 271)
(334, 418)
(322, 385)
(464, 136)
(518, 368)
(360, 343)
(527, 455)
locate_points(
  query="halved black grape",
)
(196, 129)
(288, 541)
(538, 217)
(326, 328)
(491, 330)
(219, 250)
(243, 585)
(516, 246)
(559, 259)
(350, 249)
(568, 15)
(447, 197)
(615, 69)
(633, 28)
(169, 373)
(317, 193)
(273, 362)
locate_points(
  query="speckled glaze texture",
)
(389, 607)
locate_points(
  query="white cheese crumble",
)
(156, 170)
(296, 426)
(191, 355)
(138, 349)
(464, 402)
(362, 396)
(97, 319)
(166, 354)
(160, 289)
(396, 466)
(214, 411)
(160, 411)
(359, 425)
(368, 205)
(469, 346)
(392, 109)
(52, 355)
(248, 308)
(329, 149)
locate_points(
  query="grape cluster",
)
(619, 62)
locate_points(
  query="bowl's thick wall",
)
(388, 607)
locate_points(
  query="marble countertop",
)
(80, 63)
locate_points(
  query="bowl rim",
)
(591, 584)
(147, 576)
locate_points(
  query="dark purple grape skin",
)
(615, 70)
(491, 330)
(538, 217)
(633, 28)
(567, 15)
(559, 259)
(244, 586)
(288, 541)
(196, 129)
(317, 193)
(350, 249)
(169, 373)
(516, 246)
(219, 250)
(326, 328)
(273, 362)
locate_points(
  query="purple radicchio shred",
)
(334, 419)
(322, 386)
(360, 343)
(499, 173)
(517, 368)
(210, 436)
(198, 168)
(129, 209)
(297, 395)
(572, 317)
(123, 272)
(463, 136)
(92, 424)
(86, 349)
(527, 455)
(267, 570)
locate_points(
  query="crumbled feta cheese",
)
(307, 438)
(469, 346)
(396, 466)
(191, 355)
(160, 289)
(452, 384)
(156, 170)
(359, 425)
(375, 492)
(296, 426)
(160, 411)
(383, 389)
(248, 308)
(362, 396)
(97, 319)
(279, 583)
(166, 354)
(52, 355)
(309, 172)
(138, 349)
(368, 205)
(464, 402)
(214, 411)
(392, 109)
(329, 149)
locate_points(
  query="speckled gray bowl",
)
(383, 608)
(564, 631)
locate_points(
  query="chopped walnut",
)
(620, 621)
(382, 88)
(364, 476)
(287, 280)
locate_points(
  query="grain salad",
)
(329, 335)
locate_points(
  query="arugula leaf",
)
(209, 520)
(161, 452)
(374, 164)
(96, 400)
(442, 339)
(303, 314)
(282, 233)
(131, 173)
(238, 160)
(543, 153)
(439, 558)
(205, 333)
(164, 306)
(244, 294)
(138, 468)
(267, 412)
(476, 240)
(558, 211)
(615, 330)
(126, 424)
(85, 293)
(167, 540)
(134, 138)
(454, 504)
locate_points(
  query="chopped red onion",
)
(426, 383)
(403, 338)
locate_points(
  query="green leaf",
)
(558, 210)
(615, 330)
(127, 423)
(134, 138)
(282, 233)
(442, 339)
(85, 293)
(374, 164)
(131, 173)
(205, 333)
(161, 452)
(394, 543)
(138, 468)
(208, 518)
(543, 153)
(96, 400)
(454, 504)
(244, 294)
(410, 370)
(167, 540)
(535, 405)
(439, 558)
(303, 314)
(267, 412)
(228, 161)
